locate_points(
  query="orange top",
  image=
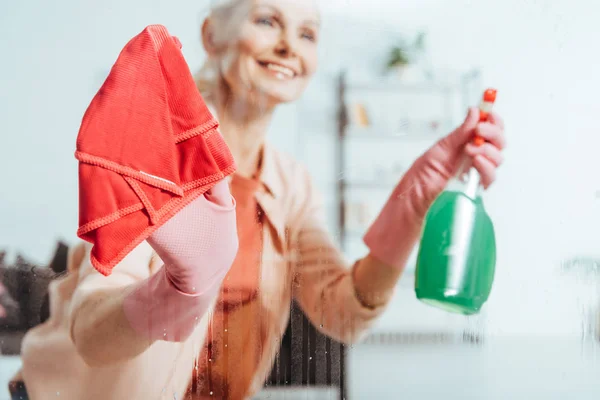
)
(236, 310)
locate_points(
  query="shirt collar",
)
(269, 175)
(269, 199)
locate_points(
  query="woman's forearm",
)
(374, 281)
(116, 324)
(392, 236)
(101, 331)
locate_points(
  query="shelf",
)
(400, 88)
(428, 130)
(449, 80)
(369, 184)
(384, 136)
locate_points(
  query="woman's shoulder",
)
(283, 158)
(291, 182)
(294, 190)
(284, 171)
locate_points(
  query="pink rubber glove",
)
(394, 233)
(198, 246)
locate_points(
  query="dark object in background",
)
(308, 358)
(26, 285)
(11, 313)
(45, 309)
(59, 261)
(59, 266)
(18, 391)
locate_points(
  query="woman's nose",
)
(282, 50)
(285, 47)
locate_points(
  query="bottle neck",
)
(472, 184)
(468, 183)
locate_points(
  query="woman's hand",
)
(445, 158)
(393, 235)
(197, 246)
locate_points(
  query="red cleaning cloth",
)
(147, 146)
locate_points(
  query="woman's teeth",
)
(282, 72)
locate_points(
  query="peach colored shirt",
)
(299, 261)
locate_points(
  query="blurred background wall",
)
(539, 54)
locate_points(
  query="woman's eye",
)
(265, 21)
(308, 36)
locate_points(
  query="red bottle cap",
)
(489, 95)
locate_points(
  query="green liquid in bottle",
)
(457, 254)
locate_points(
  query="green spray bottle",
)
(457, 253)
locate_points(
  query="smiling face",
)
(274, 54)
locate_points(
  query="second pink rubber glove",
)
(394, 233)
(198, 246)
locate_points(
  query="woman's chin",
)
(275, 97)
(268, 94)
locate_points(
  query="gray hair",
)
(226, 17)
